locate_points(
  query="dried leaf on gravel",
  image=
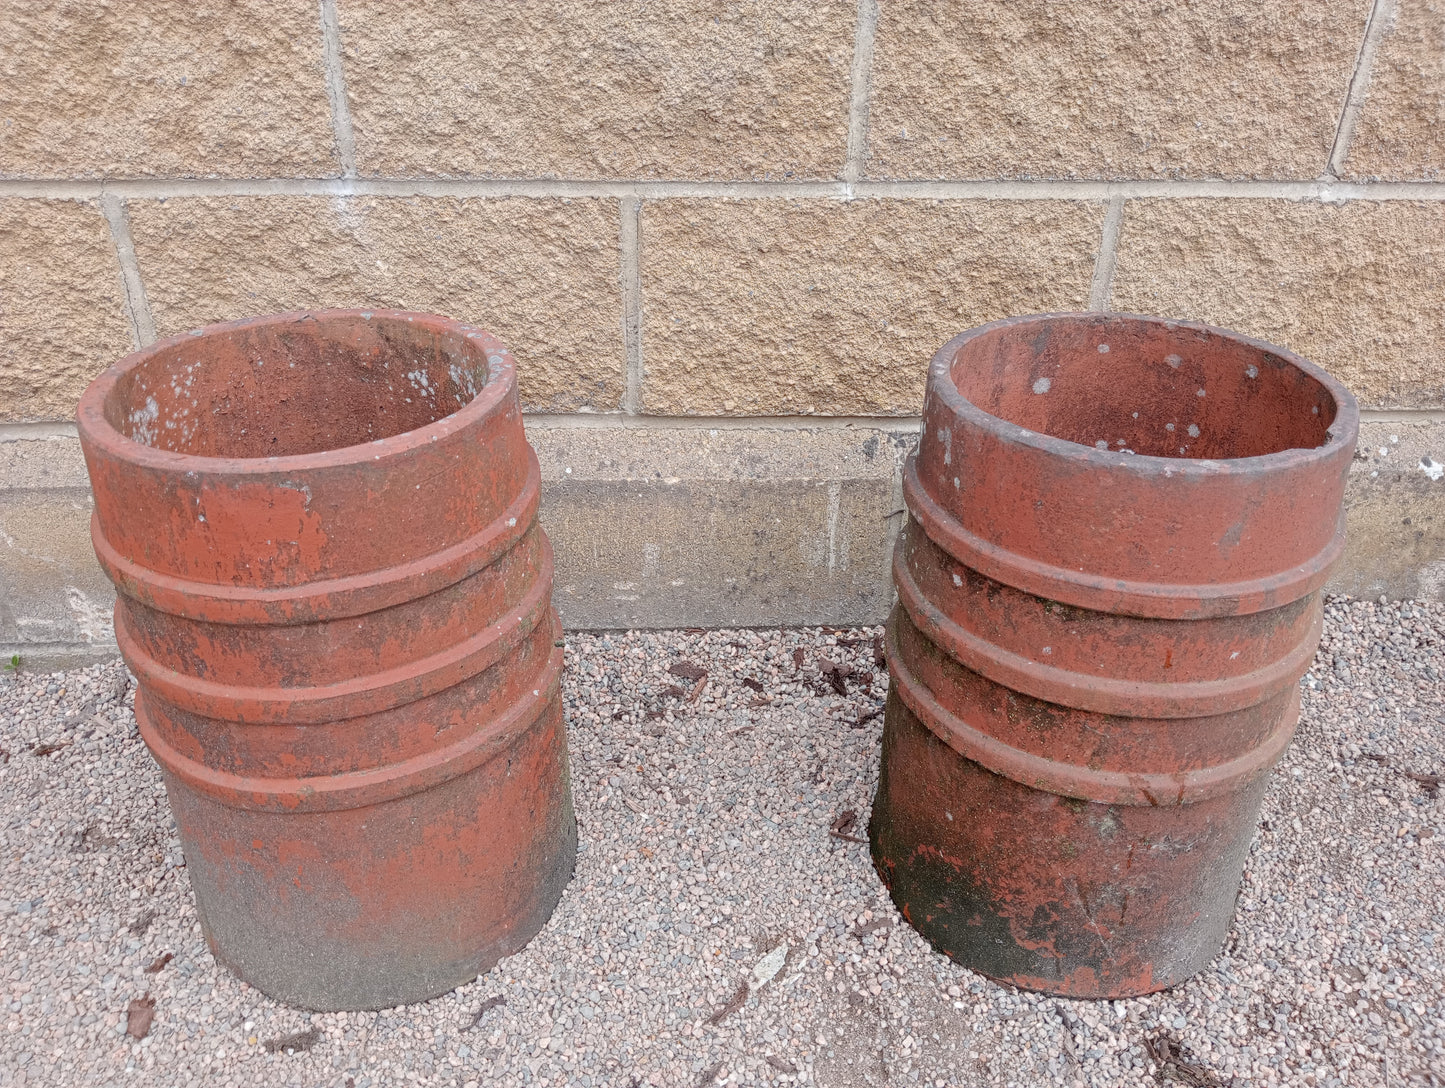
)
(781, 1065)
(1168, 1055)
(798, 656)
(709, 1075)
(872, 928)
(834, 675)
(160, 961)
(138, 1016)
(688, 670)
(298, 1043)
(672, 691)
(49, 749)
(143, 923)
(844, 824)
(864, 719)
(749, 682)
(1376, 757)
(1430, 783)
(737, 1001)
(879, 658)
(486, 1006)
(760, 701)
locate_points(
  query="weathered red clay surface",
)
(337, 601)
(1108, 589)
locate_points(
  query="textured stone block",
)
(62, 316)
(700, 90)
(165, 87)
(1400, 134)
(718, 527)
(1052, 89)
(541, 274)
(764, 307)
(1355, 287)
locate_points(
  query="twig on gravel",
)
(696, 692)
(160, 961)
(138, 1016)
(845, 823)
(781, 1065)
(298, 1043)
(486, 1006)
(49, 749)
(737, 1001)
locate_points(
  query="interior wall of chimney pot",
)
(298, 388)
(1149, 390)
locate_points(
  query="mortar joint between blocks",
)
(133, 292)
(1382, 13)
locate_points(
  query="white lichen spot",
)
(1101, 445)
(1173, 360)
(1168, 426)
(957, 581)
(955, 483)
(1315, 410)
(91, 620)
(1431, 467)
(1193, 430)
(1199, 393)
(511, 523)
(1048, 649)
(1136, 415)
(1103, 349)
(1042, 385)
(1234, 655)
(1384, 452)
(143, 422)
(1251, 371)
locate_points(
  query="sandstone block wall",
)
(755, 219)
